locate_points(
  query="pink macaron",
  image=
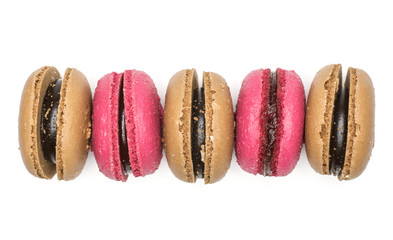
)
(269, 122)
(127, 123)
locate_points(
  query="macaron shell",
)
(105, 135)
(319, 116)
(361, 123)
(291, 110)
(219, 121)
(252, 102)
(177, 124)
(29, 122)
(73, 125)
(144, 113)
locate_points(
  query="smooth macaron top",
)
(292, 103)
(73, 123)
(361, 122)
(143, 116)
(319, 117)
(177, 123)
(252, 120)
(219, 125)
(105, 117)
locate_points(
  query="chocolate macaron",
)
(339, 127)
(55, 123)
(198, 126)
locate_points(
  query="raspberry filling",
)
(271, 126)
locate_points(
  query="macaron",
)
(198, 126)
(269, 122)
(127, 123)
(55, 123)
(339, 132)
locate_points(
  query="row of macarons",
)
(126, 127)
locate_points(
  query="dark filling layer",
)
(49, 120)
(272, 125)
(123, 145)
(338, 139)
(198, 131)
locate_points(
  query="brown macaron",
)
(198, 126)
(339, 127)
(55, 123)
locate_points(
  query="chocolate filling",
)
(49, 111)
(198, 131)
(272, 125)
(123, 145)
(338, 139)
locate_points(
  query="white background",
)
(230, 38)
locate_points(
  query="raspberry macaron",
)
(269, 122)
(127, 121)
